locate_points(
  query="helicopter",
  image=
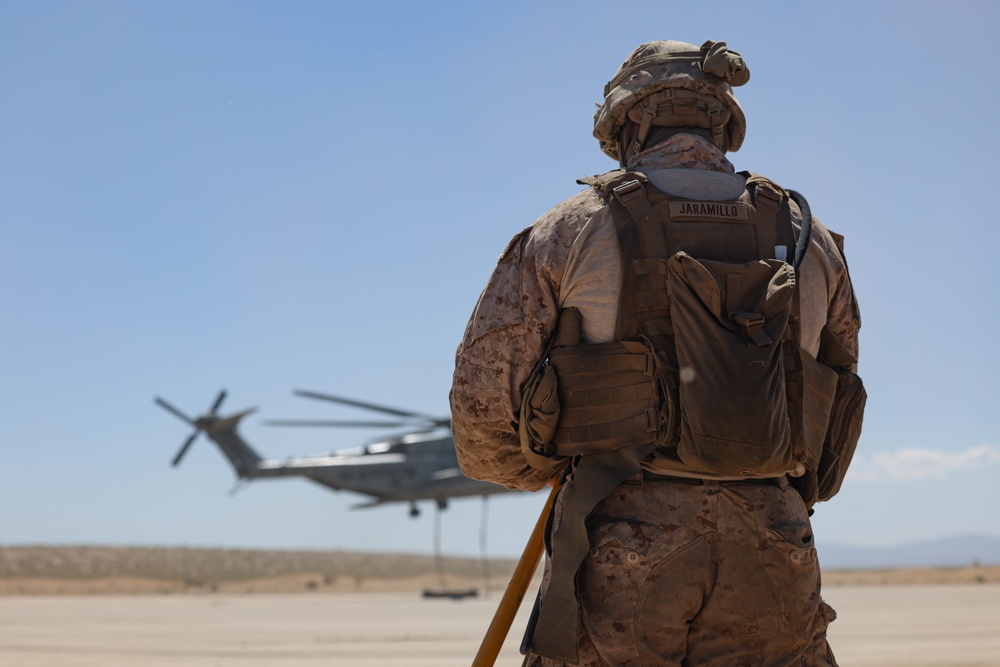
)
(417, 465)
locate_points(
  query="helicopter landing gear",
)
(442, 504)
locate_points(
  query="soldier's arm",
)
(503, 340)
(505, 337)
(843, 316)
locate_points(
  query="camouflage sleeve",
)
(843, 315)
(506, 335)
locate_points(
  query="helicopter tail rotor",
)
(199, 424)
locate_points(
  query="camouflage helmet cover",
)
(709, 71)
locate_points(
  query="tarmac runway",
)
(917, 626)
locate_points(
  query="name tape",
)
(707, 209)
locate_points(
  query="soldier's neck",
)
(682, 151)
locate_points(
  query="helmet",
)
(675, 84)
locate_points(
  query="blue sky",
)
(270, 196)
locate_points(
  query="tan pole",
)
(516, 587)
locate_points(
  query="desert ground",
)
(90, 606)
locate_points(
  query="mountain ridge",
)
(955, 551)
(104, 560)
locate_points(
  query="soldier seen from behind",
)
(680, 340)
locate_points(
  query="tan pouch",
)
(539, 415)
(540, 407)
(847, 414)
(608, 397)
(728, 322)
(819, 392)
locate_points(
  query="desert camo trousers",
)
(701, 574)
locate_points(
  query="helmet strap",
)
(649, 111)
(678, 107)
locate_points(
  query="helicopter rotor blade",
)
(218, 402)
(333, 423)
(358, 404)
(371, 406)
(177, 413)
(184, 448)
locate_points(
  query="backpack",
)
(705, 369)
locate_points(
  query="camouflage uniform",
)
(682, 572)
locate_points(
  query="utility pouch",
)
(608, 397)
(729, 321)
(539, 415)
(847, 414)
(540, 407)
(818, 395)
(819, 390)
